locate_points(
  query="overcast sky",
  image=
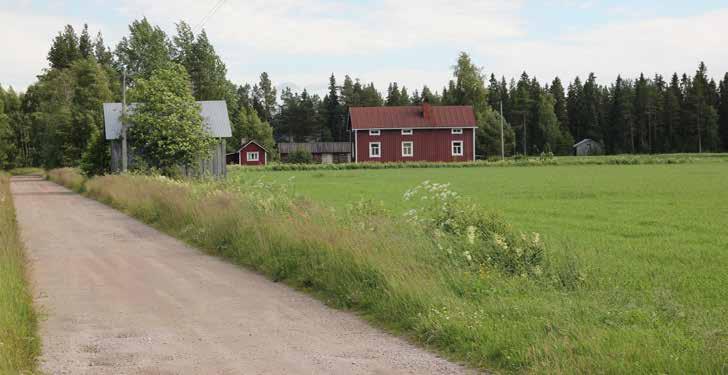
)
(413, 42)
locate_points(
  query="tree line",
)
(58, 120)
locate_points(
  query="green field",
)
(652, 239)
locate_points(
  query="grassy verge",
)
(27, 171)
(466, 283)
(19, 344)
(68, 177)
(510, 162)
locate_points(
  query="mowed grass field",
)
(651, 239)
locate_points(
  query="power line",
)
(209, 14)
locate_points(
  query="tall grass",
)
(506, 306)
(19, 345)
(68, 177)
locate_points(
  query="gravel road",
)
(122, 298)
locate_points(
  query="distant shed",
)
(250, 153)
(587, 147)
(322, 152)
(215, 119)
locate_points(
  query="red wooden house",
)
(251, 153)
(413, 133)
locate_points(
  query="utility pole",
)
(124, 151)
(503, 146)
(649, 128)
(700, 139)
(525, 150)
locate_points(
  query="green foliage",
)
(96, 159)
(65, 49)
(488, 134)
(264, 98)
(247, 125)
(91, 91)
(19, 342)
(299, 156)
(206, 69)
(166, 126)
(145, 50)
(469, 86)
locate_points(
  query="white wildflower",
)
(500, 241)
(468, 256)
(471, 234)
(536, 238)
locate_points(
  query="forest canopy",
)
(58, 120)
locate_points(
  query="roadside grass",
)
(634, 257)
(27, 171)
(19, 343)
(68, 177)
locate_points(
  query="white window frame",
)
(379, 149)
(407, 131)
(411, 148)
(462, 148)
(375, 132)
(250, 154)
(456, 131)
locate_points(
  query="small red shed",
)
(413, 133)
(251, 153)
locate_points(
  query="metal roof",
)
(411, 117)
(316, 147)
(585, 140)
(214, 115)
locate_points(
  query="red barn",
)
(413, 133)
(251, 153)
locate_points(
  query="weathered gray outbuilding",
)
(215, 118)
(588, 147)
(322, 152)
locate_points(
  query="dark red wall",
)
(252, 148)
(429, 145)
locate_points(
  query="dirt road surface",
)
(122, 298)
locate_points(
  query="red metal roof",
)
(411, 117)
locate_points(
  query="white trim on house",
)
(473, 144)
(407, 131)
(252, 156)
(378, 148)
(460, 144)
(411, 146)
(456, 130)
(421, 127)
(375, 132)
(356, 147)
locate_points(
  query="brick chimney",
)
(427, 111)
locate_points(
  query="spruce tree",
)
(333, 114)
(723, 112)
(65, 49)
(574, 108)
(85, 46)
(393, 95)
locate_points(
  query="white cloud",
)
(26, 39)
(303, 42)
(659, 45)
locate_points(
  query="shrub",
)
(300, 156)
